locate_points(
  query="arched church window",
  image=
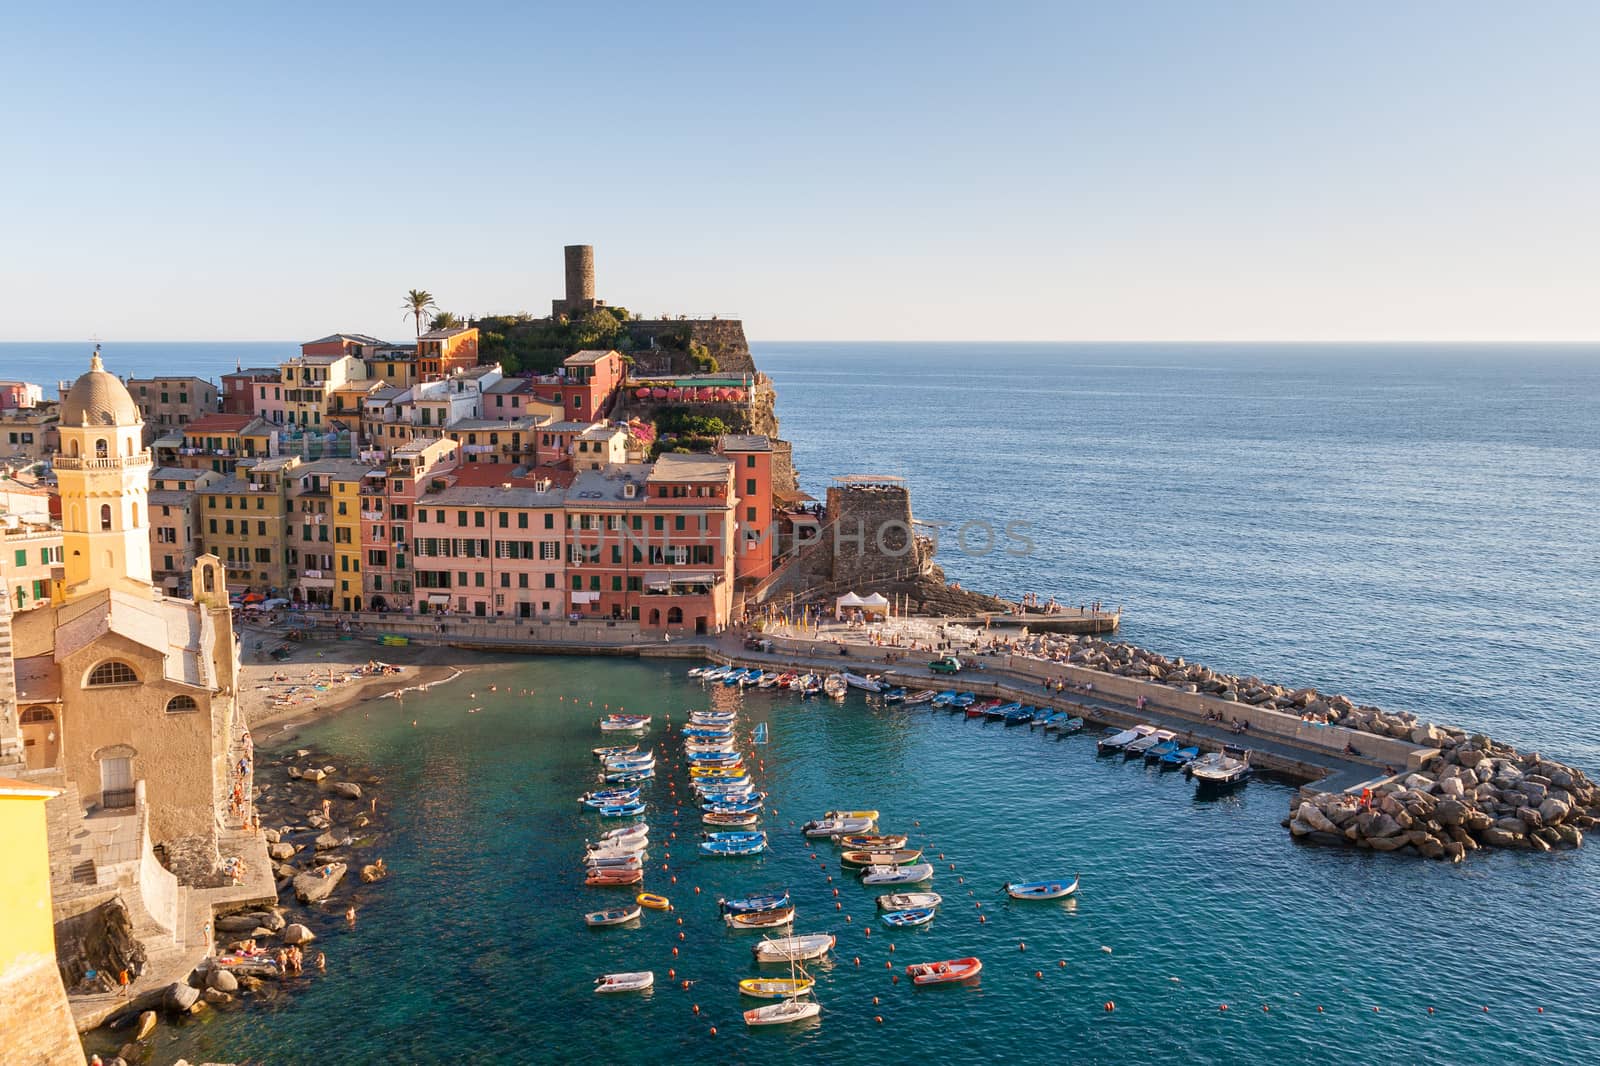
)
(100, 448)
(112, 672)
(105, 516)
(179, 704)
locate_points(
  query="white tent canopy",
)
(849, 599)
(877, 603)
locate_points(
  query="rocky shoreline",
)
(321, 823)
(1475, 793)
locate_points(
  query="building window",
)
(105, 516)
(112, 672)
(180, 704)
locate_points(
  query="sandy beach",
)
(326, 676)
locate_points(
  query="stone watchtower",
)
(580, 283)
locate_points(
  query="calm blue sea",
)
(1412, 525)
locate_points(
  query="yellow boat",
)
(653, 901)
(736, 770)
(775, 987)
(853, 814)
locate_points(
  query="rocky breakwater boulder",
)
(316, 885)
(1476, 794)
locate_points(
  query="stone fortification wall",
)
(723, 337)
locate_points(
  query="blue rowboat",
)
(1042, 889)
(964, 700)
(623, 810)
(623, 777)
(1020, 715)
(770, 901)
(1000, 710)
(1180, 758)
(707, 732)
(1161, 751)
(894, 695)
(735, 847)
(751, 677)
(909, 917)
(609, 797)
(944, 699)
(713, 758)
(735, 677)
(748, 805)
(745, 835)
(712, 717)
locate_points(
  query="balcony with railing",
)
(119, 462)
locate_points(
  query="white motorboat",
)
(897, 875)
(902, 901)
(1118, 741)
(1143, 744)
(1229, 766)
(865, 684)
(794, 948)
(625, 982)
(829, 827)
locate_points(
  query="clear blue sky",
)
(1140, 170)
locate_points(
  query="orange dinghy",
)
(943, 973)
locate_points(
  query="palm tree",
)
(418, 302)
(445, 320)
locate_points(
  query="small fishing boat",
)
(631, 844)
(994, 709)
(618, 916)
(827, 827)
(770, 919)
(625, 723)
(696, 671)
(964, 700)
(835, 686)
(895, 695)
(897, 875)
(1118, 741)
(646, 761)
(1220, 769)
(922, 695)
(750, 805)
(790, 1010)
(605, 753)
(872, 842)
(653, 901)
(614, 862)
(897, 857)
(752, 677)
(712, 718)
(1160, 751)
(609, 878)
(769, 680)
(1136, 748)
(1180, 758)
(904, 901)
(625, 982)
(943, 699)
(1041, 889)
(943, 973)
(741, 844)
(765, 902)
(865, 684)
(608, 797)
(872, 815)
(713, 758)
(729, 819)
(911, 916)
(1020, 716)
(623, 810)
(775, 987)
(638, 829)
(733, 677)
(794, 948)
(623, 777)
(1064, 725)
(697, 734)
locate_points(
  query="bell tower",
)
(103, 473)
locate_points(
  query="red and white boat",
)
(943, 973)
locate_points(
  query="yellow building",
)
(344, 482)
(35, 1024)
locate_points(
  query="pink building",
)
(388, 502)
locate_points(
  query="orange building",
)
(752, 478)
(441, 352)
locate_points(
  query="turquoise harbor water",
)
(475, 950)
(1412, 525)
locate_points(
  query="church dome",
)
(99, 398)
